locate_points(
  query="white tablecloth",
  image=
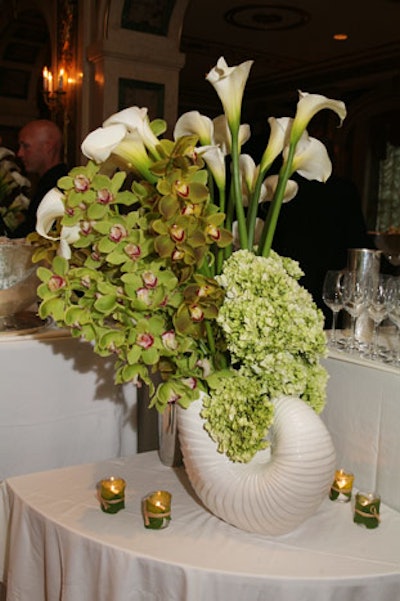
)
(362, 414)
(62, 546)
(59, 405)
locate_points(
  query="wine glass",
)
(355, 300)
(378, 308)
(332, 295)
(393, 305)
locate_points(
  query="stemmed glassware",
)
(393, 306)
(332, 295)
(378, 308)
(355, 301)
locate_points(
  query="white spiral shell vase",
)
(279, 488)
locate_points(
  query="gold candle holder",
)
(341, 487)
(156, 508)
(111, 494)
(366, 510)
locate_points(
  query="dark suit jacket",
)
(46, 182)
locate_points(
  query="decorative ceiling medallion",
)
(267, 17)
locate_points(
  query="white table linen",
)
(362, 414)
(61, 546)
(59, 405)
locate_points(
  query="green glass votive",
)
(366, 511)
(157, 509)
(111, 494)
(341, 487)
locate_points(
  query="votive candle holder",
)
(342, 487)
(156, 508)
(111, 494)
(366, 510)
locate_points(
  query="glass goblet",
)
(393, 305)
(378, 301)
(355, 301)
(332, 295)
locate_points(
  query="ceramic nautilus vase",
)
(280, 487)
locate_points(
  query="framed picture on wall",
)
(149, 16)
(133, 92)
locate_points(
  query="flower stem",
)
(275, 207)
(237, 192)
(253, 209)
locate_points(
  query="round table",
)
(60, 545)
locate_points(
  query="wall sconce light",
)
(57, 96)
(55, 89)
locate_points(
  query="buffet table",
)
(62, 546)
(59, 404)
(362, 414)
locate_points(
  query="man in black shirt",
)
(40, 150)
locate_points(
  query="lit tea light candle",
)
(341, 487)
(157, 509)
(366, 511)
(111, 494)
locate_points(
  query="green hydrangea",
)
(274, 334)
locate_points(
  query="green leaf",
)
(106, 304)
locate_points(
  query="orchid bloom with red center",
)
(177, 233)
(149, 279)
(133, 251)
(145, 340)
(104, 196)
(81, 183)
(190, 382)
(169, 340)
(86, 227)
(143, 294)
(196, 313)
(181, 188)
(56, 282)
(117, 232)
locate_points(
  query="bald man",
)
(40, 150)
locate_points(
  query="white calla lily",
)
(270, 184)
(51, 208)
(223, 137)
(214, 159)
(278, 138)
(308, 106)
(248, 175)
(133, 151)
(311, 159)
(194, 123)
(135, 118)
(229, 83)
(258, 229)
(99, 144)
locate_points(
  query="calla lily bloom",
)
(194, 123)
(308, 106)
(278, 138)
(50, 208)
(229, 83)
(214, 159)
(135, 118)
(132, 151)
(311, 159)
(99, 144)
(258, 229)
(223, 137)
(270, 185)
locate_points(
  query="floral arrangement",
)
(14, 188)
(155, 254)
